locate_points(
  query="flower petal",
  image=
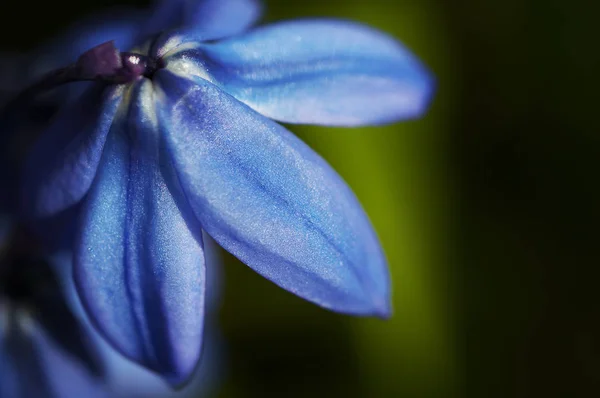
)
(21, 373)
(118, 24)
(270, 200)
(207, 19)
(68, 379)
(63, 162)
(139, 265)
(31, 365)
(316, 71)
(59, 322)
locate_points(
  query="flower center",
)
(103, 63)
(136, 65)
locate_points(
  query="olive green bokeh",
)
(398, 174)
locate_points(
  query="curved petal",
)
(139, 265)
(126, 378)
(270, 200)
(129, 380)
(315, 71)
(21, 373)
(67, 378)
(32, 366)
(58, 320)
(207, 19)
(63, 162)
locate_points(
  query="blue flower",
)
(190, 144)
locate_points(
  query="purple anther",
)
(99, 62)
(105, 62)
(134, 66)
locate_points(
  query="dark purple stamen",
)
(135, 65)
(102, 63)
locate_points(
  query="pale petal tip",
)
(429, 91)
(383, 309)
(178, 378)
(426, 89)
(379, 305)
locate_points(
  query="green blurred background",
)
(487, 209)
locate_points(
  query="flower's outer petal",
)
(206, 19)
(214, 277)
(63, 162)
(22, 374)
(270, 200)
(67, 377)
(59, 322)
(126, 378)
(118, 24)
(316, 71)
(139, 264)
(31, 365)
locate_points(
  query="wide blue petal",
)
(139, 265)
(314, 71)
(126, 378)
(207, 19)
(63, 162)
(270, 200)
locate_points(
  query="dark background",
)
(488, 209)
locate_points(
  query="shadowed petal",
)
(39, 295)
(68, 378)
(315, 71)
(60, 324)
(126, 378)
(21, 373)
(62, 163)
(31, 365)
(118, 24)
(270, 200)
(207, 19)
(139, 267)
